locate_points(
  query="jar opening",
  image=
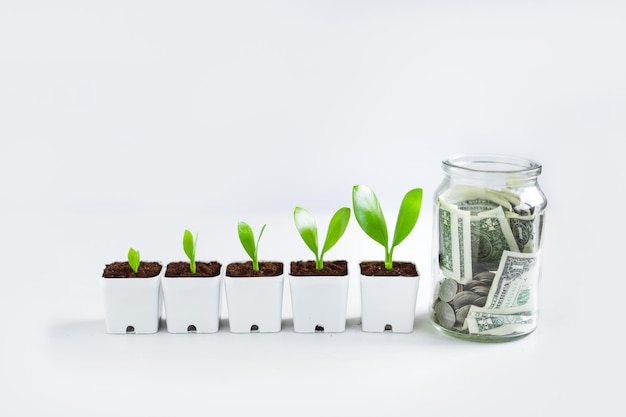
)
(504, 164)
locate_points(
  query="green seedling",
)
(133, 259)
(189, 245)
(305, 223)
(370, 217)
(246, 237)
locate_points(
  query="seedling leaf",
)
(369, 214)
(336, 228)
(246, 237)
(305, 223)
(407, 215)
(256, 248)
(189, 246)
(133, 259)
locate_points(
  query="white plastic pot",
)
(319, 303)
(132, 305)
(255, 304)
(388, 303)
(192, 304)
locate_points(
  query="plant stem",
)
(319, 263)
(192, 266)
(255, 265)
(389, 259)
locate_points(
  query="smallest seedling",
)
(246, 237)
(189, 245)
(133, 259)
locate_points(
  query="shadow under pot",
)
(254, 298)
(319, 298)
(388, 297)
(132, 301)
(192, 301)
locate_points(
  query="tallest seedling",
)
(370, 217)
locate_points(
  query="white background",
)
(124, 122)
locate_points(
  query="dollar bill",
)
(515, 282)
(455, 243)
(526, 230)
(491, 236)
(476, 206)
(484, 321)
(446, 236)
(464, 232)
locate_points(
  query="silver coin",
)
(480, 302)
(448, 289)
(461, 314)
(445, 314)
(481, 290)
(472, 284)
(485, 275)
(464, 298)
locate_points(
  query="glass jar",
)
(487, 235)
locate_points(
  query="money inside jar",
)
(488, 249)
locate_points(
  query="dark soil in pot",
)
(377, 268)
(182, 270)
(307, 268)
(123, 270)
(244, 269)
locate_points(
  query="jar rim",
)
(494, 163)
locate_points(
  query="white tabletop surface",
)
(124, 123)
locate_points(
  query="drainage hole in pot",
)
(254, 328)
(388, 327)
(319, 329)
(130, 329)
(191, 328)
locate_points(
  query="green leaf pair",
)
(246, 237)
(369, 215)
(305, 223)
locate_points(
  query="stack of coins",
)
(454, 300)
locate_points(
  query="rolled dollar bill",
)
(471, 193)
(455, 243)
